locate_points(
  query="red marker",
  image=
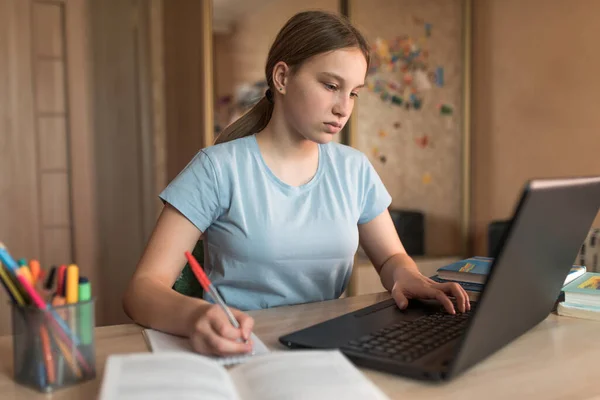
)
(60, 280)
(209, 288)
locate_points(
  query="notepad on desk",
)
(160, 342)
(290, 375)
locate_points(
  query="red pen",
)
(60, 280)
(209, 288)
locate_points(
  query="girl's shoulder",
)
(223, 153)
(344, 153)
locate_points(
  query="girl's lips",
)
(332, 127)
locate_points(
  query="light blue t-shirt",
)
(268, 243)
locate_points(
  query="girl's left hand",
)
(411, 284)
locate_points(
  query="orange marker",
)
(34, 267)
(48, 359)
(68, 356)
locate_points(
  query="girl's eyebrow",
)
(339, 78)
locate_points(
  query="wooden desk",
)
(556, 360)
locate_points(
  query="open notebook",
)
(290, 375)
(160, 342)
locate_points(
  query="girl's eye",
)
(354, 94)
(330, 86)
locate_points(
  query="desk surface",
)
(558, 359)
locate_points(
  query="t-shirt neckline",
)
(285, 186)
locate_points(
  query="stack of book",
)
(582, 297)
(471, 274)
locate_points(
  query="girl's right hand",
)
(211, 331)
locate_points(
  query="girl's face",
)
(319, 96)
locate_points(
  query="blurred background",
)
(103, 102)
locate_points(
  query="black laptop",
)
(546, 231)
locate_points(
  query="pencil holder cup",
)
(54, 348)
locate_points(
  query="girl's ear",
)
(281, 73)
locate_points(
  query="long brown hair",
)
(303, 36)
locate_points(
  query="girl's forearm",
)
(152, 304)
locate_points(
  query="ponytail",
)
(253, 121)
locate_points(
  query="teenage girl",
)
(279, 205)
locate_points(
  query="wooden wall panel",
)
(55, 201)
(57, 248)
(52, 136)
(50, 85)
(80, 144)
(119, 144)
(185, 94)
(49, 34)
(49, 61)
(157, 69)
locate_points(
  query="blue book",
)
(472, 270)
(584, 291)
(578, 311)
(468, 286)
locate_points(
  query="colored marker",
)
(210, 288)
(7, 260)
(8, 290)
(48, 359)
(12, 268)
(34, 267)
(60, 280)
(41, 374)
(60, 360)
(64, 349)
(85, 289)
(71, 294)
(50, 278)
(24, 270)
(60, 367)
(86, 325)
(57, 302)
(35, 297)
(13, 292)
(72, 288)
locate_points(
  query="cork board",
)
(408, 119)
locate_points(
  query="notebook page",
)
(148, 376)
(162, 342)
(303, 374)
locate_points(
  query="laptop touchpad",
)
(389, 310)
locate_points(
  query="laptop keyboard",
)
(407, 341)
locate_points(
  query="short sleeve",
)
(195, 192)
(375, 198)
